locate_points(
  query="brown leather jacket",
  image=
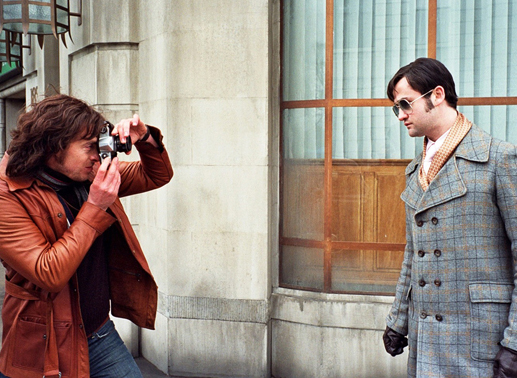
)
(42, 325)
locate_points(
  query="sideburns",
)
(428, 105)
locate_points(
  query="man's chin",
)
(414, 133)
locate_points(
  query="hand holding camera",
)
(119, 137)
(133, 128)
(110, 144)
(105, 186)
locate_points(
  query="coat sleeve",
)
(397, 319)
(506, 197)
(30, 245)
(151, 172)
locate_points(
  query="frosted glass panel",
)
(372, 40)
(371, 133)
(304, 50)
(499, 121)
(476, 41)
(304, 133)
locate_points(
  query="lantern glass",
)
(63, 19)
(13, 12)
(41, 15)
(39, 12)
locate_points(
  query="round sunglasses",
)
(405, 105)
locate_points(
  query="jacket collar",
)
(474, 147)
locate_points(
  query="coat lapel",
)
(448, 183)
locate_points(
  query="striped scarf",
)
(58, 181)
(458, 131)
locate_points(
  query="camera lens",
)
(123, 147)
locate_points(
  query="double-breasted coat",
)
(455, 298)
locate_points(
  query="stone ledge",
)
(339, 311)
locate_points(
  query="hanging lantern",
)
(36, 17)
(11, 45)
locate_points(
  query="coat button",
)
(437, 252)
(439, 317)
(437, 282)
(421, 283)
(423, 315)
(434, 220)
(421, 253)
(59, 215)
(420, 223)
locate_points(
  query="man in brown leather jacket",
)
(69, 250)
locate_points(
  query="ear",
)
(438, 95)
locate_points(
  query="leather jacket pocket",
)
(489, 308)
(30, 343)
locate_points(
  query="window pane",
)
(366, 204)
(302, 267)
(366, 271)
(303, 173)
(476, 41)
(303, 199)
(304, 133)
(498, 120)
(371, 133)
(372, 40)
(304, 50)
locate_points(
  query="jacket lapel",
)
(448, 183)
(413, 192)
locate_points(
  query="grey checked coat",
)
(455, 298)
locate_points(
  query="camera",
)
(109, 144)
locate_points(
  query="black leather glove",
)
(505, 364)
(394, 342)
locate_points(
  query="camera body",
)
(109, 144)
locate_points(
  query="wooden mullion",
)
(281, 152)
(431, 27)
(487, 101)
(384, 102)
(346, 245)
(306, 243)
(373, 246)
(329, 63)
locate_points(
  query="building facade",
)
(277, 245)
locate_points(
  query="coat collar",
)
(448, 183)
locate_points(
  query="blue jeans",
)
(109, 357)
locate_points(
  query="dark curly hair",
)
(47, 128)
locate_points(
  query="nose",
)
(402, 115)
(95, 157)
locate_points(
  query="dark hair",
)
(47, 128)
(423, 75)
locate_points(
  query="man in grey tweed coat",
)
(455, 298)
